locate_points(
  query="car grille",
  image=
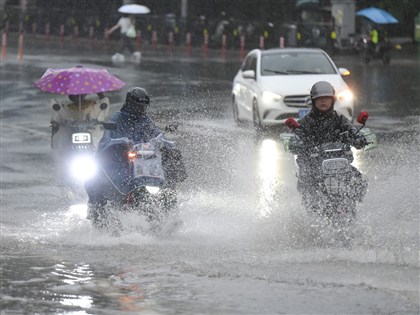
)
(285, 116)
(298, 101)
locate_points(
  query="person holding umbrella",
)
(77, 83)
(80, 108)
(126, 24)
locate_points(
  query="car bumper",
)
(277, 114)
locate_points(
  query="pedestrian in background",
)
(128, 32)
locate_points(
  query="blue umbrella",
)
(378, 16)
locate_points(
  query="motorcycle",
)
(75, 132)
(370, 51)
(135, 177)
(330, 186)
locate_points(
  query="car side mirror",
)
(109, 125)
(344, 72)
(363, 117)
(248, 74)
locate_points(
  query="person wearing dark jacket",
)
(132, 121)
(323, 125)
(132, 126)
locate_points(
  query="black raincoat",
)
(316, 128)
(130, 129)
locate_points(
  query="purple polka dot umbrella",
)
(78, 80)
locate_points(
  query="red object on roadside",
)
(188, 43)
(4, 46)
(20, 47)
(261, 42)
(281, 42)
(47, 32)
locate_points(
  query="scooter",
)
(75, 134)
(330, 186)
(139, 178)
(381, 51)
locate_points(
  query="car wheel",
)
(256, 115)
(236, 113)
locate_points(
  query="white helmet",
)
(320, 89)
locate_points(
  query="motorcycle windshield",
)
(128, 174)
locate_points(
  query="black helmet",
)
(136, 101)
(137, 96)
(322, 88)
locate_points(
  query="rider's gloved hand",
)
(360, 142)
(296, 145)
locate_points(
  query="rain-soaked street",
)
(246, 245)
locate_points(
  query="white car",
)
(273, 85)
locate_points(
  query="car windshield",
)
(295, 63)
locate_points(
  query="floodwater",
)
(246, 245)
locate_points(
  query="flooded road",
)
(246, 245)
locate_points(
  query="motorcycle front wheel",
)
(105, 218)
(342, 214)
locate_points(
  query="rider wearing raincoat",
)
(80, 109)
(322, 125)
(133, 125)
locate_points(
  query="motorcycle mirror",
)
(109, 125)
(363, 117)
(291, 123)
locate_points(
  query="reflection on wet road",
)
(246, 244)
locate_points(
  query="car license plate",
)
(81, 138)
(303, 112)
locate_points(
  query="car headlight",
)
(268, 97)
(345, 96)
(83, 167)
(236, 88)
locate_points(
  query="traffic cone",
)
(20, 48)
(4, 46)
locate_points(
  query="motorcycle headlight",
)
(345, 96)
(83, 167)
(152, 189)
(269, 97)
